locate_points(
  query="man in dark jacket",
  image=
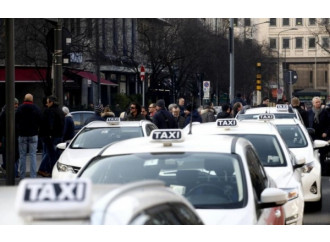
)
(28, 120)
(163, 119)
(225, 111)
(51, 132)
(134, 113)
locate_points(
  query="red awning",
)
(26, 74)
(93, 77)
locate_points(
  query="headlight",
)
(64, 168)
(292, 193)
(307, 168)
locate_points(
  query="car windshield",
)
(207, 180)
(93, 138)
(268, 149)
(277, 116)
(292, 135)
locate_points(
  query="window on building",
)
(89, 27)
(299, 42)
(272, 21)
(310, 76)
(286, 22)
(272, 43)
(325, 21)
(311, 43)
(326, 77)
(286, 43)
(299, 21)
(247, 22)
(312, 21)
(325, 42)
(115, 37)
(124, 38)
(235, 22)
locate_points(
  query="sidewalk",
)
(3, 177)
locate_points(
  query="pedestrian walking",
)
(144, 112)
(135, 113)
(163, 119)
(152, 110)
(98, 109)
(51, 132)
(175, 110)
(28, 121)
(208, 113)
(181, 104)
(68, 130)
(318, 120)
(236, 108)
(265, 102)
(107, 113)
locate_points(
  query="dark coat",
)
(68, 131)
(223, 115)
(194, 116)
(95, 117)
(28, 119)
(163, 119)
(52, 124)
(303, 113)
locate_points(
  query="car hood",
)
(77, 157)
(283, 176)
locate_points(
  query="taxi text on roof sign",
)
(226, 122)
(167, 135)
(113, 120)
(47, 198)
(266, 116)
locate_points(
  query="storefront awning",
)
(93, 77)
(27, 74)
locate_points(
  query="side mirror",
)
(300, 162)
(320, 143)
(273, 197)
(62, 146)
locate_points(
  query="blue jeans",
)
(29, 145)
(49, 153)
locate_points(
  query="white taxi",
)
(91, 139)
(279, 162)
(299, 142)
(280, 111)
(78, 201)
(221, 176)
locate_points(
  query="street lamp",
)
(266, 22)
(278, 57)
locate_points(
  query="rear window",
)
(293, 136)
(93, 138)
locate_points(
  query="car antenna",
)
(192, 108)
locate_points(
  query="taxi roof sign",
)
(226, 123)
(266, 116)
(113, 120)
(49, 199)
(167, 136)
(282, 107)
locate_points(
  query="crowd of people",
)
(54, 125)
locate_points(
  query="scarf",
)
(316, 115)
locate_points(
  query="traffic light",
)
(258, 77)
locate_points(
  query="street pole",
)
(58, 74)
(97, 47)
(278, 58)
(231, 60)
(10, 95)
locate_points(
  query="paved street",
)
(3, 178)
